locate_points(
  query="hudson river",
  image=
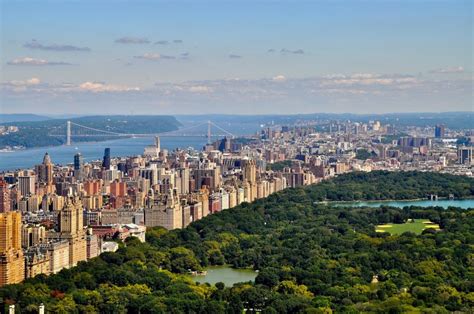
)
(92, 151)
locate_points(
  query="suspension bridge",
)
(75, 130)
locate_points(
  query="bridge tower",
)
(68, 133)
(209, 141)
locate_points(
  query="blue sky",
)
(236, 56)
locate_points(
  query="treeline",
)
(383, 185)
(311, 257)
(279, 165)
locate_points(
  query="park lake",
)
(462, 203)
(226, 274)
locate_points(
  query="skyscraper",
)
(153, 150)
(78, 166)
(106, 160)
(249, 170)
(5, 205)
(12, 264)
(465, 155)
(44, 171)
(71, 228)
(439, 131)
(26, 185)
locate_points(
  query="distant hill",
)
(453, 120)
(37, 133)
(21, 117)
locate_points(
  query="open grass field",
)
(415, 225)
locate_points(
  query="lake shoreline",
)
(464, 203)
(226, 274)
(400, 200)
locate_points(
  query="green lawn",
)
(417, 226)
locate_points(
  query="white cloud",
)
(448, 70)
(19, 86)
(98, 87)
(367, 79)
(200, 89)
(157, 56)
(132, 40)
(149, 56)
(35, 84)
(279, 78)
(371, 91)
(33, 81)
(30, 82)
(54, 47)
(34, 61)
(297, 51)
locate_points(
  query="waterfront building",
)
(153, 151)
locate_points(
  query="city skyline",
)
(259, 58)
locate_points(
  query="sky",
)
(235, 57)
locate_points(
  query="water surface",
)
(226, 274)
(467, 203)
(92, 150)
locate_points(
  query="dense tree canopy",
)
(312, 257)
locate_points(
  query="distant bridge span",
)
(78, 130)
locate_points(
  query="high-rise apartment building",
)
(32, 235)
(153, 151)
(465, 155)
(71, 228)
(5, 203)
(440, 131)
(26, 185)
(249, 170)
(118, 189)
(12, 263)
(166, 212)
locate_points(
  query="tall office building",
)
(5, 203)
(26, 185)
(157, 143)
(78, 166)
(106, 160)
(465, 155)
(12, 263)
(440, 131)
